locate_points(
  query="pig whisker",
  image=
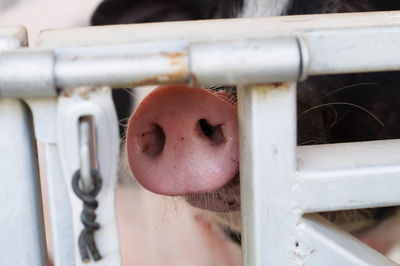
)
(347, 87)
(130, 92)
(311, 141)
(122, 122)
(314, 141)
(231, 90)
(336, 116)
(336, 121)
(123, 119)
(345, 103)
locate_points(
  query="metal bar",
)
(245, 61)
(85, 153)
(353, 50)
(331, 47)
(127, 68)
(322, 243)
(27, 73)
(350, 189)
(60, 209)
(22, 239)
(44, 115)
(333, 37)
(197, 63)
(215, 30)
(317, 52)
(267, 170)
(272, 60)
(343, 176)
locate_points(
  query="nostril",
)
(183, 140)
(153, 141)
(213, 133)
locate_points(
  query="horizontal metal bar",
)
(27, 73)
(214, 30)
(335, 43)
(320, 158)
(255, 51)
(245, 61)
(353, 50)
(122, 65)
(350, 190)
(347, 175)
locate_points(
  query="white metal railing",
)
(22, 229)
(281, 179)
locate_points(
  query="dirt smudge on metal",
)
(265, 89)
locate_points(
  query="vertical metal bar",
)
(22, 239)
(44, 113)
(60, 209)
(86, 155)
(267, 117)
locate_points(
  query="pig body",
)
(331, 109)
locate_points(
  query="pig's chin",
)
(225, 199)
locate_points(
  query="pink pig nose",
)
(183, 140)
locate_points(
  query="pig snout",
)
(184, 140)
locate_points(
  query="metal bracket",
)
(96, 103)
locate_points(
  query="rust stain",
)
(277, 84)
(164, 78)
(177, 58)
(172, 78)
(67, 92)
(84, 92)
(174, 54)
(269, 87)
(281, 85)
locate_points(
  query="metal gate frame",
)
(284, 183)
